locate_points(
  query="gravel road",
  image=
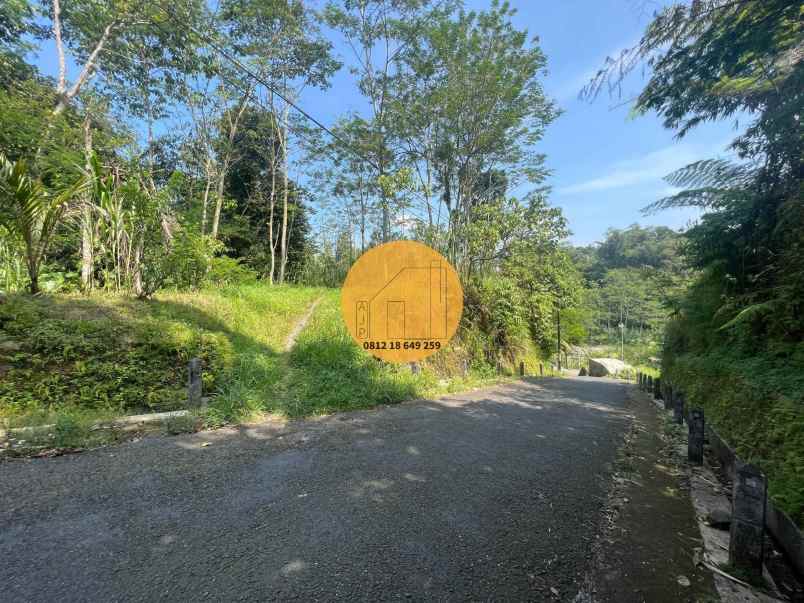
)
(491, 495)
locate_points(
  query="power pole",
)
(558, 329)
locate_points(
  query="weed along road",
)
(491, 495)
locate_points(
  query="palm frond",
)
(709, 184)
(751, 312)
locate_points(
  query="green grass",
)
(328, 372)
(102, 356)
(88, 359)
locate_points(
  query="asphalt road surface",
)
(492, 495)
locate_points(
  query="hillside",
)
(115, 355)
(70, 360)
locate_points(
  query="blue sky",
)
(606, 166)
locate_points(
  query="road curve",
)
(491, 495)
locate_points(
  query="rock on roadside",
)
(602, 367)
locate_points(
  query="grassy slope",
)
(328, 372)
(109, 355)
(757, 404)
(84, 359)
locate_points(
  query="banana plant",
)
(32, 211)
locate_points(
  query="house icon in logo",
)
(411, 305)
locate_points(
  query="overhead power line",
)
(257, 78)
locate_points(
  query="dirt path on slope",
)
(299, 326)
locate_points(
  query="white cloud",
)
(650, 168)
(570, 88)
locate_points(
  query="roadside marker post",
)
(695, 441)
(678, 409)
(747, 537)
(194, 383)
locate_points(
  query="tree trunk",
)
(137, 285)
(61, 85)
(87, 247)
(32, 264)
(283, 256)
(363, 210)
(271, 243)
(227, 161)
(67, 96)
(216, 217)
(205, 203)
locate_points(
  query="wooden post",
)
(541, 369)
(194, 383)
(678, 409)
(695, 442)
(521, 368)
(747, 542)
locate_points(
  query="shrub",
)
(496, 307)
(229, 271)
(190, 259)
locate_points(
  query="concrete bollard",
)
(465, 367)
(678, 408)
(747, 542)
(521, 369)
(695, 442)
(195, 388)
(415, 368)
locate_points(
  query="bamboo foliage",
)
(32, 211)
(125, 214)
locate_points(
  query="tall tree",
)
(378, 31)
(714, 59)
(473, 106)
(280, 41)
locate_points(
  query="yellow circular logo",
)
(402, 301)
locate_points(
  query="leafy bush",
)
(750, 384)
(190, 259)
(100, 362)
(497, 308)
(224, 270)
